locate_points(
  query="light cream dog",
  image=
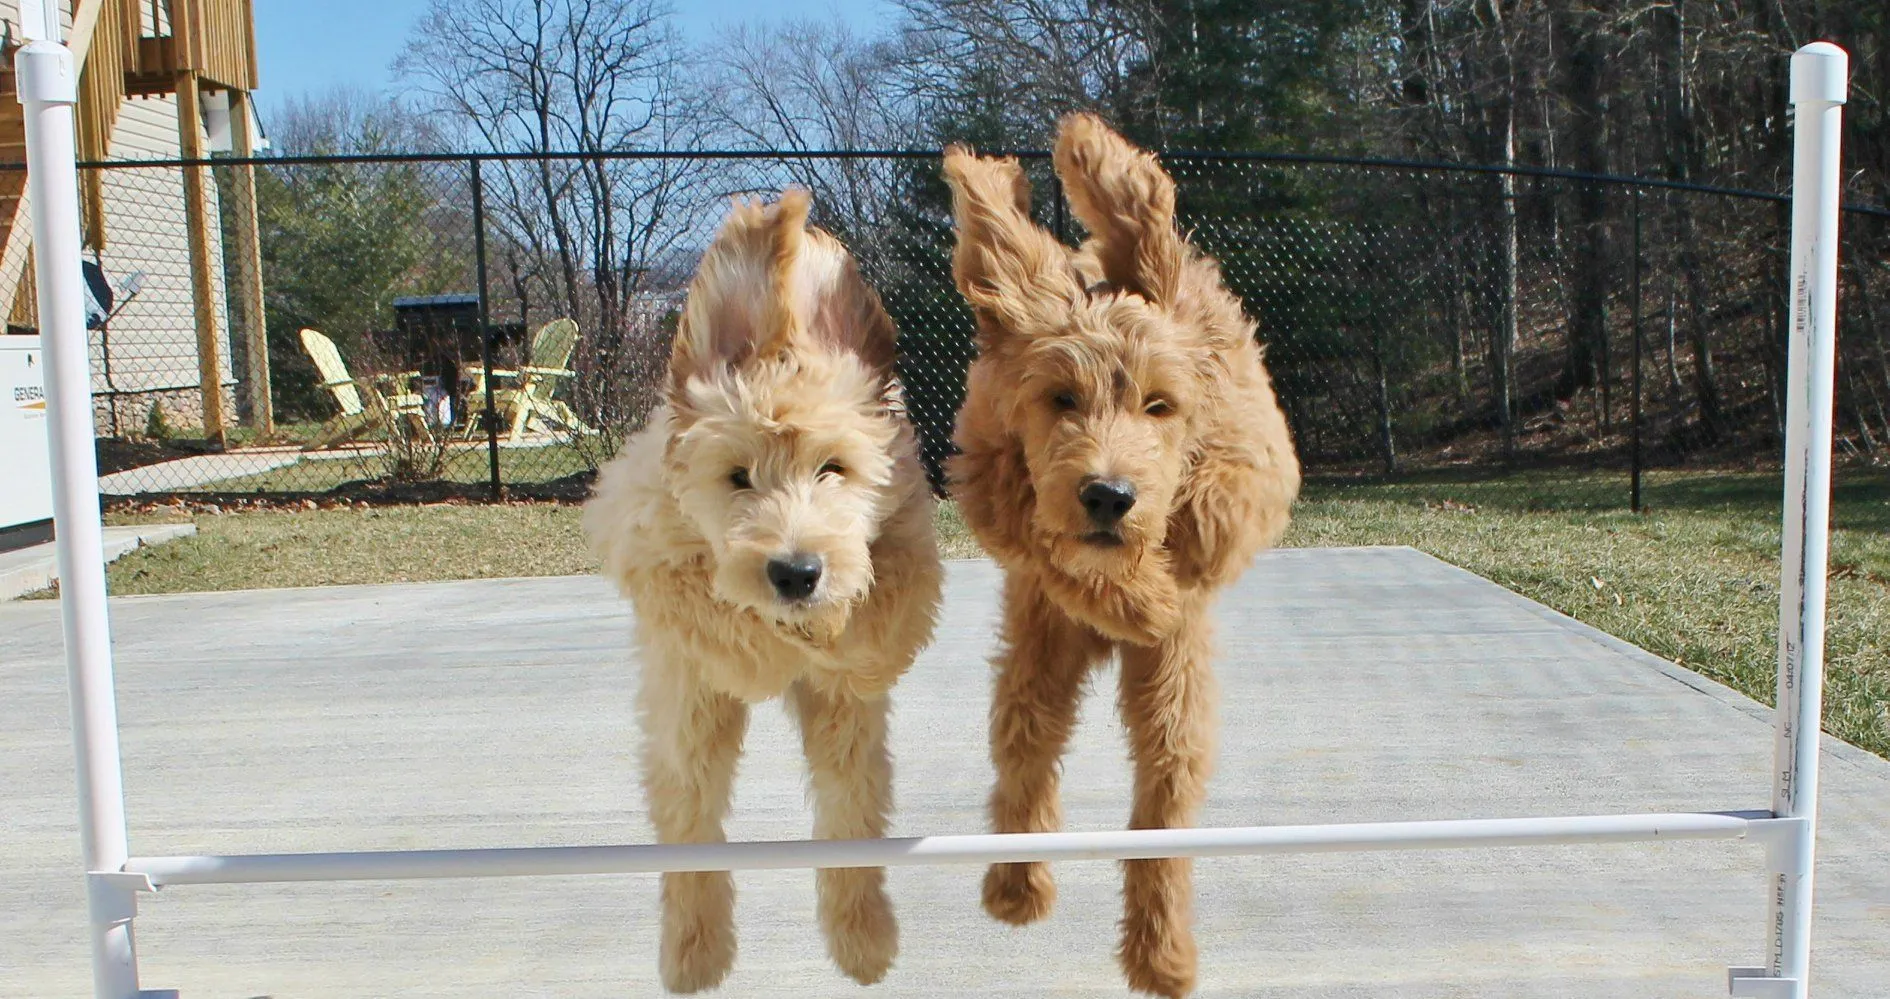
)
(773, 528)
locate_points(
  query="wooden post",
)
(248, 269)
(202, 287)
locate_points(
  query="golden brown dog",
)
(773, 528)
(1123, 458)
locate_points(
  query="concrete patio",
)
(1357, 685)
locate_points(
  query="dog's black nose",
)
(1107, 500)
(795, 576)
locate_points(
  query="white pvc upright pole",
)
(47, 83)
(1819, 73)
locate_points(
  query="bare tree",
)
(1008, 68)
(803, 87)
(579, 229)
(567, 77)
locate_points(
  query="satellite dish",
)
(98, 295)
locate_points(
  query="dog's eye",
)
(1158, 406)
(739, 479)
(1063, 401)
(833, 468)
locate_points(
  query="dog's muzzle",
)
(794, 577)
(1107, 501)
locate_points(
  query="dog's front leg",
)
(692, 738)
(844, 737)
(1167, 704)
(1040, 670)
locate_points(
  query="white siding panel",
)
(154, 340)
(10, 10)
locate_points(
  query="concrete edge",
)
(144, 534)
(1831, 746)
(118, 542)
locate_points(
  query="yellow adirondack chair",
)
(362, 404)
(523, 398)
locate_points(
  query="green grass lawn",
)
(391, 544)
(1695, 580)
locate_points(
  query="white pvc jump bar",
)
(1139, 844)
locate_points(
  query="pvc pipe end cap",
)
(1820, 74)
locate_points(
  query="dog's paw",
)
(1157, 956)
(857, 918)
(698, 947)
(1019, 894)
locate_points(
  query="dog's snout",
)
(1107, 501)
(795, 576)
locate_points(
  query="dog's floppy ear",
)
(1126, 200)
(826, 303)
(1006, 266)
(734, 313)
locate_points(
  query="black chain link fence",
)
(1425, 323)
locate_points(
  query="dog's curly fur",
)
(783, 435)
(1124, 361)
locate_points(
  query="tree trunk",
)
(1579, 37)
(1386, 442)
(1682, 156)
(1508, 264)
(1503, 337)
(1459, 359)
(1778, 319)
(1414, 29)
(1775, 146)
(1674, 387)
(1705, 380)
(561, 235)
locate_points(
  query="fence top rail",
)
(789, 155)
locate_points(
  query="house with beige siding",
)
(177, 308)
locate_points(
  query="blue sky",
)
(308, 46)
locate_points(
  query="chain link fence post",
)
(1634, 449)
(489, 418)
